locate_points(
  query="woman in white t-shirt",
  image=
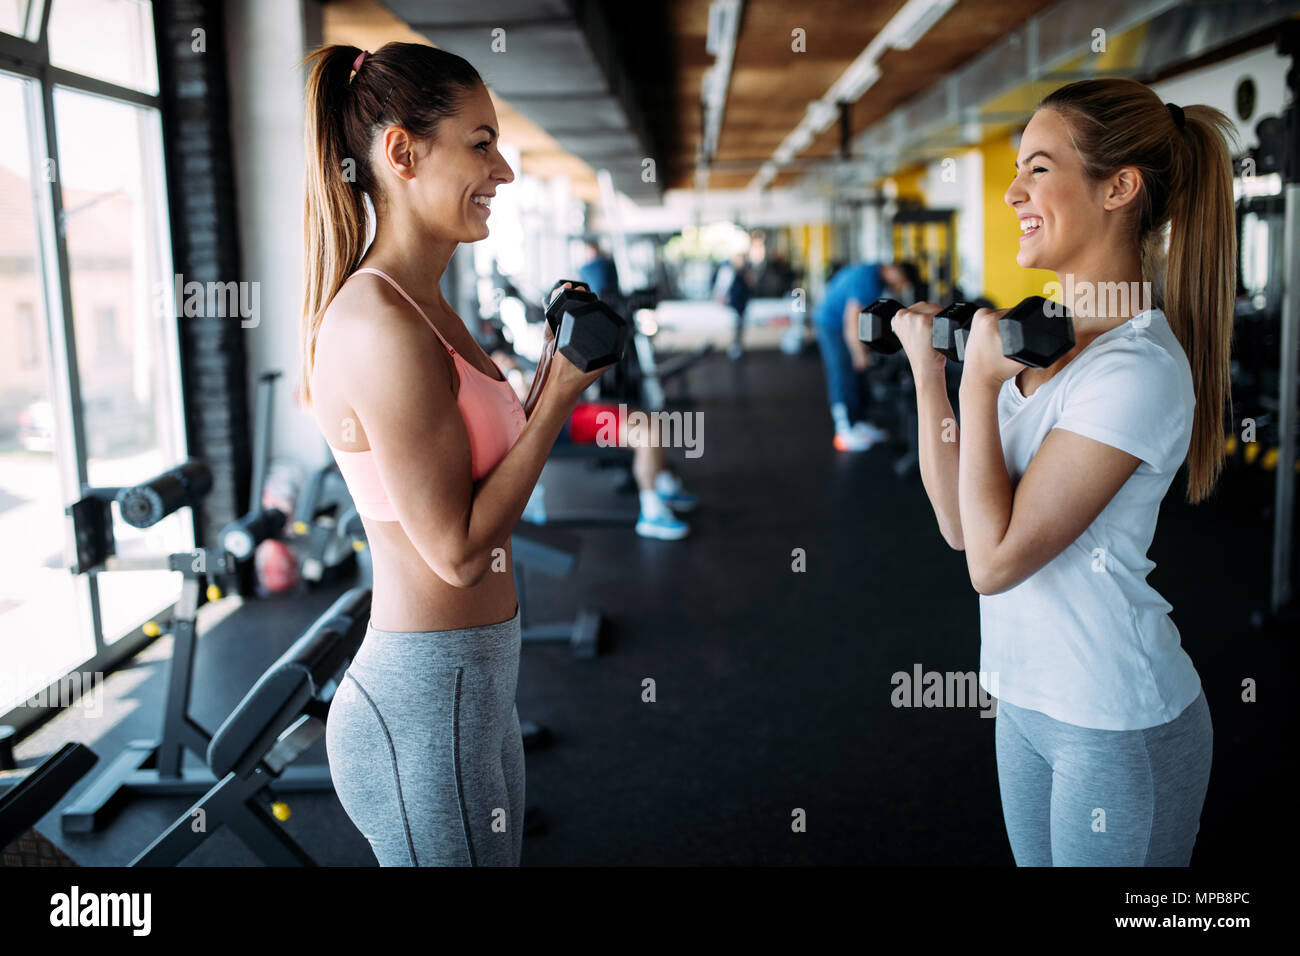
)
(1054, 486)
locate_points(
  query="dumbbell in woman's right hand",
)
(587, 332)
(568, 379)
(561, 292)
(543, 370)
(1036, 333)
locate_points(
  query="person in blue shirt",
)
(844, 357)
(600, 273)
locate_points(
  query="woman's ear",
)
(399, 152)
(1124, 186)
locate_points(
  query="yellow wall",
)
(909, 183)
(1005, 282)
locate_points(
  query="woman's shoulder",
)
(1142, 354)
(366, 296)
(368, 326)
(368, 316)
(1141, 341)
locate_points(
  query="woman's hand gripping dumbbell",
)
(1036, 333)
(589, 334)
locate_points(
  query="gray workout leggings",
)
(1073, 796)
(424, 746)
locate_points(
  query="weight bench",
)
(554, 553)
(278, 719)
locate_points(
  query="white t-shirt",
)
(1085, 639)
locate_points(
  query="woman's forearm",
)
(500, 498)
(938, 442)
(984, 491)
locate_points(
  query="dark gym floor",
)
(773, 687)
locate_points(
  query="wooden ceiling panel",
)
(774, 82)
(689, 18)
(784, 180)
(720, 179)
(756, 86)
(771, 85)
(831, 29)
(662, 48)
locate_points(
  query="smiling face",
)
(458, 172)
(1061, 210)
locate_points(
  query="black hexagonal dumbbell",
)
(587, 332)
(945, 326)
(1036, 332)
(874, 329)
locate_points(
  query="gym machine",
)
(147, 767)
(279, 718)
(1278, 152)
(912, 226)
(325, 553)
(277, 721)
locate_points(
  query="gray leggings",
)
(424, 746)
(1073, 796)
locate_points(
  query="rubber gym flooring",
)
(772, 687)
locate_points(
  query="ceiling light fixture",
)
(911, 22)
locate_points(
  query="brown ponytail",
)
(1202, 283)
(1186, 166)
(405, 84)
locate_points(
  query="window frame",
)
(29, 59)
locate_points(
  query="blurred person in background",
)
(599, 272)
(844, 357)
(732, 288)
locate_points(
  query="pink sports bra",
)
(493, 418)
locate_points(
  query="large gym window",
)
(90, 388)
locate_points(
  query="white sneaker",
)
(852, 440)
(870, 431)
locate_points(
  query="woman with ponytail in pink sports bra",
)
(437, 451)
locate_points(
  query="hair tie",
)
(1180, 120)
(356, 64)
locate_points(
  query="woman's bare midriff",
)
(409, 596)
